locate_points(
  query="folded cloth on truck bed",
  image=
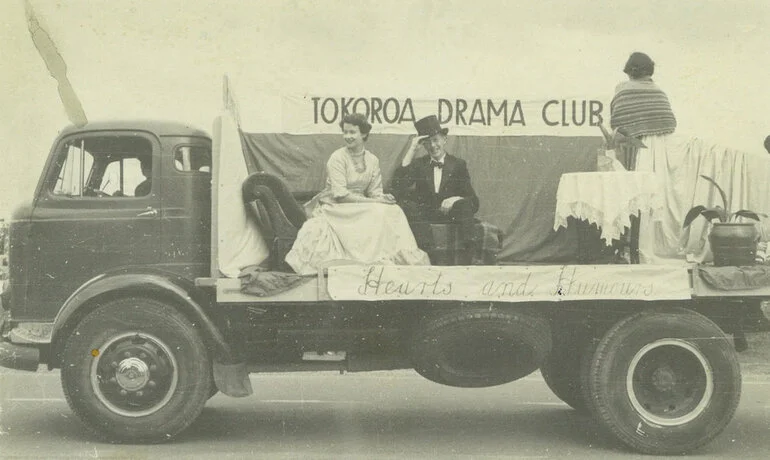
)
(255, 280)
(736, 278)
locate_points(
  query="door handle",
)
(149, 212)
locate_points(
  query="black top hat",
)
(429, 126)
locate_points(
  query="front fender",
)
(167, 287)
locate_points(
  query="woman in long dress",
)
(640, 109)
(352, 219)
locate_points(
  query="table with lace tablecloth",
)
(608, 200)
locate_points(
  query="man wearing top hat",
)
(436, 188)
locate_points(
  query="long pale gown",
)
(371, 233)
(645, 112)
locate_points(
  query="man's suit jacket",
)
(415, 183)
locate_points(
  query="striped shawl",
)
(640, 108)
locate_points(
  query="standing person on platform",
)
(640, 108)
(352, 219)
(642, 111)
(436, 188)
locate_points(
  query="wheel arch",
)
(596, 318)
(168, 288)
(726, 314)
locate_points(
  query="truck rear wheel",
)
(664, 382)
(480, 347)
(132, 371)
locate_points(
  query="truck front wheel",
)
(134, 370)
(664, 382)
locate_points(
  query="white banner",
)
(509, 283)
(557, 116)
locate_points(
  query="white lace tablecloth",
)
(607, 199)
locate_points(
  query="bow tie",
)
(436, 164)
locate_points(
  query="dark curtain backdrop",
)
(516, 178)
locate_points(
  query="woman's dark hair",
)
(358, 120)
(639, 65)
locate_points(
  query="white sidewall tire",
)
(682, 332)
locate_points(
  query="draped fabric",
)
(678, 161)
(516, 178)
(239, 243)
(607, 199)
(735, 278)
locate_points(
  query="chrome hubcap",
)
(134, 374)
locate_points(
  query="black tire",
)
(136, 370)
(586, 358)
(474, 348)
(214, 390)
(564, 370)
(664, 382)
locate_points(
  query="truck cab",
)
(131, 196)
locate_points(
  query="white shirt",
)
(437, 174)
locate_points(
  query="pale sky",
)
(165, 60)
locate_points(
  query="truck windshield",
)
(76, 163)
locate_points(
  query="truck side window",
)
(103, 166)
(192, 158)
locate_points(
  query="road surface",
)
(371, 415)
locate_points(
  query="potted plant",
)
(732, 243)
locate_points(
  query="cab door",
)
(89, 219)
(186, 219)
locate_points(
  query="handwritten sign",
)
(509, 283)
